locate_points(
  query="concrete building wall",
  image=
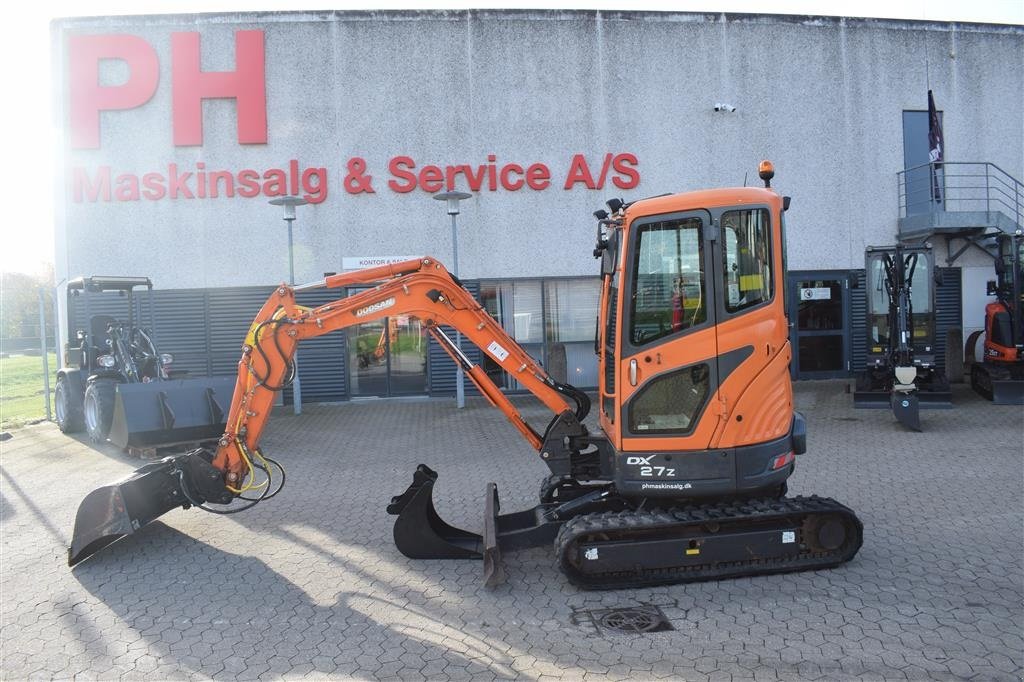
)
(822, 98)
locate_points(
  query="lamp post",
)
(452, 199)
(289, 204)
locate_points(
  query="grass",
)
(21, 389)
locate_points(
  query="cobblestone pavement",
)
(310, 585)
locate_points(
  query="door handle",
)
(632, 372)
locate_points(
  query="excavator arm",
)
(422, 288)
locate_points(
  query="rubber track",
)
(738, 515)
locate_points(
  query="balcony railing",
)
(964, 187)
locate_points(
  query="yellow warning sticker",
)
(751, 282)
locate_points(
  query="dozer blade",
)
(148, 415)
(114, 511)
(1008, 392)
(907, 410)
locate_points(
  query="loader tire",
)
(70, 415)
(99, 409)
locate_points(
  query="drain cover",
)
(634, 619)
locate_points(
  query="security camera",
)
(719, 106)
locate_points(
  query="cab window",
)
(668, 280)
(746, 255)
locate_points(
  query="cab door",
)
(668, 371)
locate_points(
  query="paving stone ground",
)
(309, 585)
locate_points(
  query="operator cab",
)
(695, 338)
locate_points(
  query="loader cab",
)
(101, 343)
(694, 334)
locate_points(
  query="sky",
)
(26, 172)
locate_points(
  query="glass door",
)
(387, 357)
(407, 353)
(368, 359)
(820, 325)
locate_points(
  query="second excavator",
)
(684, 480)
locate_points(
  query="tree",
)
(19, 304)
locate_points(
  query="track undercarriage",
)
(605, 541)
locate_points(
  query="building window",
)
(546, 318)
(518, 307)
(571, 321)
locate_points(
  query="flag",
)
(934, 147)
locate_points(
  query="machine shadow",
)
(224, 615)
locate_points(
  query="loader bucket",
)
(159, 413)
(114, 511)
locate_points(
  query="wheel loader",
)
(685, 478)
(999, 374)
(901, 371)
(116, 385)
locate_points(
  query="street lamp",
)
(289, 204)
(452, 199)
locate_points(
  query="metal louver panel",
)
(179, 328)
(948, 310)
(858, 321)
(322, 364)
(440, 368)
(230, 313)
(86, 305)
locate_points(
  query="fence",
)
(38, 343)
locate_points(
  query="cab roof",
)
(108, 283)
(705, 198)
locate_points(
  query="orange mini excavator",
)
(684, 481)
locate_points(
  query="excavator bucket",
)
(161, 413)
(906, 408)
(114, 511)
(420, 533)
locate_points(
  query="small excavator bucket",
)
(421, 534)
(906, 408)
(114, 511)
(160, 413)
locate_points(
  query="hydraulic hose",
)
(581, 399)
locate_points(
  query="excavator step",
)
(639, 548)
